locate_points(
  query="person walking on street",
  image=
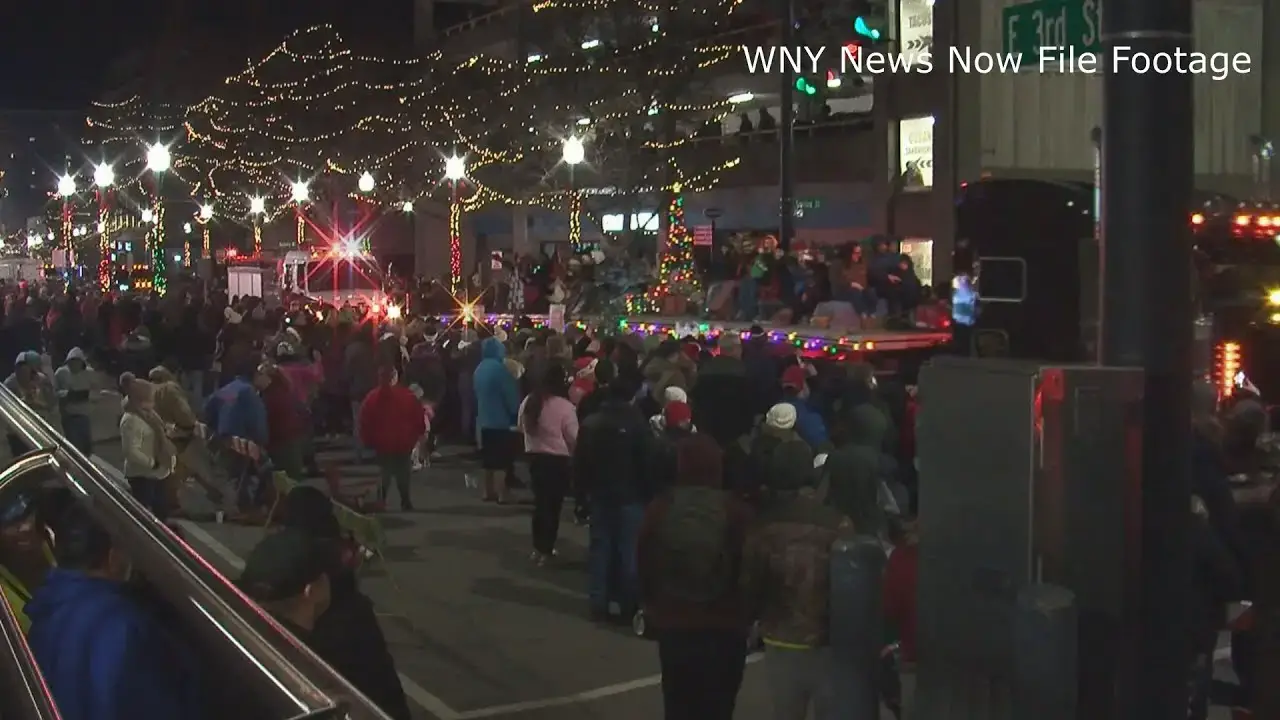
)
(392, 422)
(549, 423)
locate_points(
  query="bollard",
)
(856, 630)
(1044, 645)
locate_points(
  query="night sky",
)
(54, 53)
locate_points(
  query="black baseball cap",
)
(284, 563)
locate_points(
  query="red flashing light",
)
(232, 252)
(1197, 219)
(851, 52)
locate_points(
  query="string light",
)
(159, 264)
(294, 112)
(104, 237)
(455, 245)
(575, 222)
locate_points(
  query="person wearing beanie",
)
(689, 551)
(391, 424)
(809, 424)
(73, 383)
(785, 581)
(666, 367)
(669, 429)
(149, 456)
(180, 423)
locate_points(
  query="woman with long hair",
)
(549, 424)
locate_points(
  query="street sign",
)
(703, 235)
(712, 213)
(1064, 24)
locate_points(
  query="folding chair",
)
(368, 533)
(354, 495)
(283, 485)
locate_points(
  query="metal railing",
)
(278, 672)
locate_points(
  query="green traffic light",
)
(861, 27)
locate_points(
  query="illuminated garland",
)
(159, 267)
(104, 242)
(455, 246)
(575, 224)
(291, 115)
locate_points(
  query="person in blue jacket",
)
(497, 403)
(102, 655)
(809, 423)
(236, 410)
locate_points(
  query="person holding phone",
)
(73, 383)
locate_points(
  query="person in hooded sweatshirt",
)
(497, 402)
(670, 429)
(347, 634)
(34, 388)
(855, 471)
(809, 423)
(392, 423)
(103, 656)
(786, 582)
(73, 383)
(689, 554)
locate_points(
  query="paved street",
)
(477, 631)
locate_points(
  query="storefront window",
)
(915, 153)
(920, 250)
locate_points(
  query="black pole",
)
(1147, 309)
(786, 131)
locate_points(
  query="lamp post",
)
(158, 163)
(572, 154)
(257, 208)
(455, 171)
(365, 185)
(205, 215)
(104, 176)
(300, 194)
(67, 191)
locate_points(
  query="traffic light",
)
(864, 29)
(806, 87)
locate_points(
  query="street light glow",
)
(186, 228)
(148, 216)
(104, 175)
(408, 206)
(455, 168)
(741, 98)
(66, 186)
(158, 158)
(574, 151)
(206, 212)
(300, 192)
(257, 206)
(366, 183)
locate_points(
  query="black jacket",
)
(612, 453)
(724, 400)
(348, 637)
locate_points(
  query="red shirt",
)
(391, 420)
(900, 597)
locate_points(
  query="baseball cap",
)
(284, 563)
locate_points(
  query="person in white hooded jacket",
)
(149, 456)
(74, 383)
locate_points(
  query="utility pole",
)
(1147, 175)
(786, 131)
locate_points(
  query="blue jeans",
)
(863, 301)
(611, 556)
(79, 432)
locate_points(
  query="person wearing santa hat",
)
(673, 425)
(584, 379)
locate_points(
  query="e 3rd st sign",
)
(1074, 24)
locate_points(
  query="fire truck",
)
(1035, 267)
(338, 275)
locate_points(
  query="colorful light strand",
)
(575, 223)
(455, 245)
(159, 266)
(104, 241)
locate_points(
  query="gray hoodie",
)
(74, 386)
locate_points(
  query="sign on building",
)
(915, 153)
(915, 28)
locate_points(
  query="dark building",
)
(36, 147)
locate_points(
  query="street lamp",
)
(206, 212)
(67, 190)
(148, 216)
(158, 162)
(203, 217)
(257, 206)
(366, 183)
(408, 206)
(300, 192)
(66, 186)
(455, 171)
(104, 176)
(573, 153)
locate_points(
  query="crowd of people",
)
(715, 474)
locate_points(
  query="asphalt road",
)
(477, 631)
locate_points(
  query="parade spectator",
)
(34, 388)
(785, 580)
(149, 457)
(723, 399)
(181, 427)
(393, 422)
(689, 552)
(609, 460)
(74, 383)
(497, 403)
(24, 555)
(102, 655)
(284, 420)
(238, 419)
(900, 582)
(549, 423)
(809, 423)
(360, 368)
(857, 470)
(305, 376)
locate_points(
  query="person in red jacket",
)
(284, 421)
(391, 423)
(899, 602)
